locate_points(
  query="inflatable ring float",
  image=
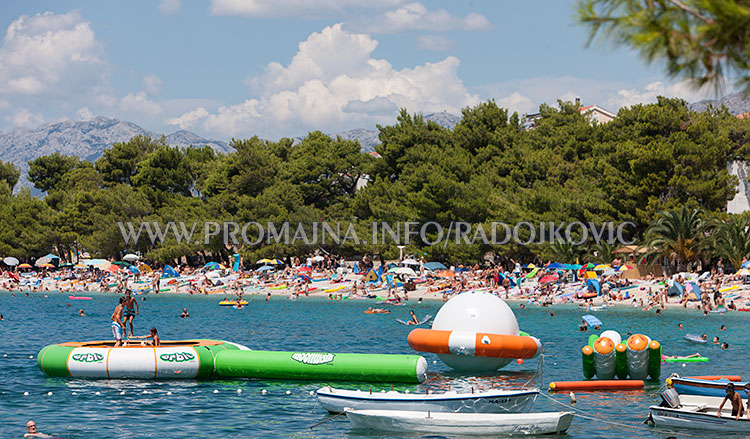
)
(183, 359)
(474, 344)
(231, 302)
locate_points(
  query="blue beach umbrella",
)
(557, 266)
(434, 266)
(265, 268)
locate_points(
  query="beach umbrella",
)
(65, 265)
(144, 267)
(609, 273)
(304, 268)
(744, 272)
(445, 273)
(434, 266)
(265, 268)
(212, 266)
(547, 279)
(42, 260)
(574, 266)
(122, 264)
(80, 266)
(279, 261)
(589, 266)
(410, 262)
(133, 269)
(626, 267)
(590, 275)
(10, 261)
(113, 268)
(130, 257)
(45, 266)
(677, 289)
(405, 270)
(556, 266)
(602, 267)
(314, 258)
(529, 266)
(24, 266)
(264, 261)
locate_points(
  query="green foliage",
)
(9, 173)
(705, 41)
(656, 165)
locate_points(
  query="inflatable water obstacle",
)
(204, 359)
(606, 356)
(475, 332)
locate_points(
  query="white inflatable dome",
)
(476, 312)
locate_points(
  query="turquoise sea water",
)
(312, 324)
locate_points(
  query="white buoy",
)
(312, 392)
(683, 364)
(263, 392)
(31, 357)
(239, 391)
(407, 391)
(122, 393)
(216, 391)
(434, 361)
(25, 393)
(74, 393)
(145, 392)
(49, 393)
(288, 392)
(5, 355)
(97, 393)
(572, 398)
(169, 393)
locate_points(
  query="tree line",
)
(651, 160)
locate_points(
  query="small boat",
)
(693, 386)
(700, 359)
(79, 298)
(693, 338)
(461, 423)
(695, 413)
(491, 401)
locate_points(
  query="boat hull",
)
(715, 388)
(697, 420)
(520, 424)
(496, 401)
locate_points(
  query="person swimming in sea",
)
(414, 320)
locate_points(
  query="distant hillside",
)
(736, 103)
(85, 139)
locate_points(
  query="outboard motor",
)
(670, 398)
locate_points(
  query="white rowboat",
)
(698, 413)
(491, 401)
(509, 424)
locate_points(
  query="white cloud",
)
(140, 103)
(49, 53)
(170, 7)
(292, 8)
(435, 43)
(333, 83)
(84, 114)
(516, 102)
(23, 118)
(152, 83)
(629, 97)
(188, 119)
(416, 16)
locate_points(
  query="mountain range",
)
(88, 139)
(736, 103)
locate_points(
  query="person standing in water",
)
(117, 325)
(130, 312)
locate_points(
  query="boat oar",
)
(326, 420)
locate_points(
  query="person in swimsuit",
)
(154, 336)
(130, 312)
(32, 431)
(117, 324)
(736, 400)
(414, 320)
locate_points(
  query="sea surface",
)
(80, 408)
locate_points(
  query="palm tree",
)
(678, 235)
(564, 252)
(730, 239)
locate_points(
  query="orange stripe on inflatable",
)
(429, 340)
(155, 361)
(596, 385)
(505, 346)
(107, 361)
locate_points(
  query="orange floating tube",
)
(474, 343)
(596, 385)
(717, 377)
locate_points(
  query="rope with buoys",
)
(585, 415)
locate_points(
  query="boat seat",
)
(694, 408)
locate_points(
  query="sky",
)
(282, 68)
